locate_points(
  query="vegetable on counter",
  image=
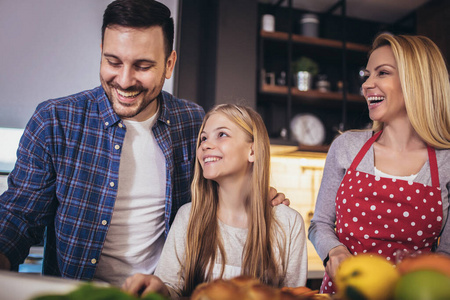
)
(418, 276)
(92, 292)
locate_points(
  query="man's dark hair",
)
(140, 14)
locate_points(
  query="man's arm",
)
(27, 207)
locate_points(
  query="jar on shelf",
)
(322, 84)
(281, 80)
(309, 25)
(304, 80)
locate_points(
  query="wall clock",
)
(308, 130)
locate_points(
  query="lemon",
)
(366, 276)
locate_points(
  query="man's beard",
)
(129, 112)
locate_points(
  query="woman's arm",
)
(444, 242)
(322, 229)
(444, 175)
(335, 257)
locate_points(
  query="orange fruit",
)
(426, 261)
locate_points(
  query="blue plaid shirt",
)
(67, 173)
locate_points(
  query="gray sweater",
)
(170, 266)
(340, 156)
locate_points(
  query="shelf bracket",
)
(342, 4)
(335, 6)
(289, 96)
(279, 2)
(344, 65)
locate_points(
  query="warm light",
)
(9, 141)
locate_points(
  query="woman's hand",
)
(336, 256)
(276, 198)
(141, 284)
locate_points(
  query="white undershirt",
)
(382, 174)
(136, 234)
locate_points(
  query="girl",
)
(230, 229)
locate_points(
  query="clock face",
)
(308, 130)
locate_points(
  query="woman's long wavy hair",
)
(425, 85)
(203, 242)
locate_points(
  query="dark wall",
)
(217, 52)
(197, 48)
(237, 52)
(433, 21)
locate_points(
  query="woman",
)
(386, 190)
(229, 229)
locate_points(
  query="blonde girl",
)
(230, 229)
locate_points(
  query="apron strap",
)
(364, 150)
(433, 166)
(431, 158)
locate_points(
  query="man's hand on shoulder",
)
(276, 198)
(4, 263)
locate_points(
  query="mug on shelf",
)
(268, 22)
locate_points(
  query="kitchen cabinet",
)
(223, 50)
(340, 50)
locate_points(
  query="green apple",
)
(423, 285)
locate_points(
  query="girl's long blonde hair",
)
(425, 85)
(203, 241)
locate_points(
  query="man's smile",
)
(129, 94)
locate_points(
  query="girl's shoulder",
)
(185, 208)
(183, 213)
(287, 216)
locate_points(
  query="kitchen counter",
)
(21, 286)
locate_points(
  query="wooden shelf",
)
(287, 147)
(319, 148)
(279, 103)
(312, 94)
(284, 36)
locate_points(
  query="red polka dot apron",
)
(384, 215)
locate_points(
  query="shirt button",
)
(93, 261)
(111, 184)
(117, 147)
(168, 121)
(120, 125)
(106, 123)
(104, 222)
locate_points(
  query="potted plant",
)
(304, 70)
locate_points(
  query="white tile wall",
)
(299, 179)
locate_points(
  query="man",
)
(105, 170)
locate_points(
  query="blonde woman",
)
(230, 229)
(386, 190)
